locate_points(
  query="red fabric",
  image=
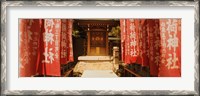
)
(41, 41)
(154, 46)
(144, 42)
(70, 48)
(29, 39)
(139, 51)
(66, 42)
(131, 41)
(50, 48)
(126, 43)
(170, 48)
(130, 48)
(123, 34)
(154, 43)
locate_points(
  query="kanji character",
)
(48, 37)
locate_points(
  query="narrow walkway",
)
(93, 63)
(99, 73)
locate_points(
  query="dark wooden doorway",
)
(97, 34)
(98, 44)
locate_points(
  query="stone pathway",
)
(93, 65)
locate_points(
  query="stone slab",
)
(92, 58)
(98, 73)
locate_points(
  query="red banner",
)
(50, 48)
(143, 42)
(138, 57)
(66, 42)
(43, 46)
(70, 48)
(154, 46)
(131, 49)
(133, 53)
(29, 35)
(170, 48)
(127, 43)
(123, 34)
(154, 43)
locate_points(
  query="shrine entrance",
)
(96, 31)
(94, 41)
(97, 43)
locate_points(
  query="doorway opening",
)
(95, 37)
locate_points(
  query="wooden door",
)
(97, 41)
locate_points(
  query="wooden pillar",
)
(107, 43)
(88, 43)
(107, 30)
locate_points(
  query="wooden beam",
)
(92, 30)
(98, 22)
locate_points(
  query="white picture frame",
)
(6, 14)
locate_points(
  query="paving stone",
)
(93, 65)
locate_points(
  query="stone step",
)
(92, 65)
(94, 58)
(99, 73)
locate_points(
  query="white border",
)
(186, 82)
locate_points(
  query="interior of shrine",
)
(111, 48)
